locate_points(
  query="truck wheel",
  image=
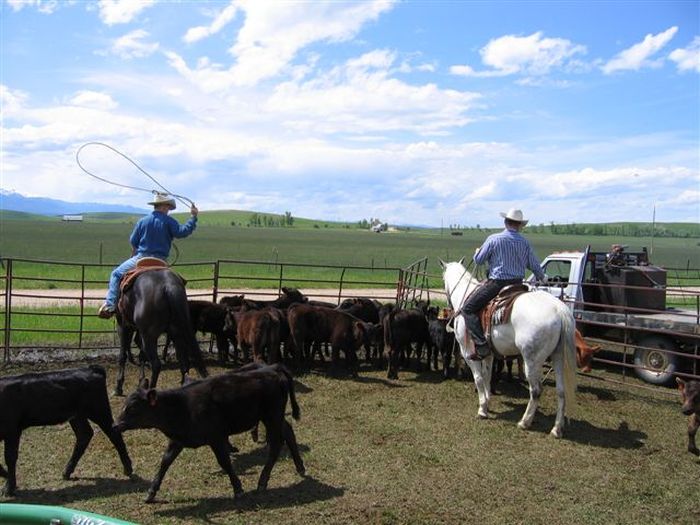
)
(656, 366)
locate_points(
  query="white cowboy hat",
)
(515, 215)
(163, 198)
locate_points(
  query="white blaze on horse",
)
(540, 327)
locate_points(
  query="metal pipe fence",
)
(625, 332)
(49, 305)
(52, 305)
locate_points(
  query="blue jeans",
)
(116, 277)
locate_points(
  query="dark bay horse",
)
(154, 304)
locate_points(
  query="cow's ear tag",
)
(681, 384)
(152, 397)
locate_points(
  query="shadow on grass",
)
(81, 489)
(253, 461)
(305, 491)
(600, 393)
(430, 377)
(581, 432)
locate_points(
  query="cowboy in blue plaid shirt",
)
(508, 254)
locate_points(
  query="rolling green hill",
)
(9, 215)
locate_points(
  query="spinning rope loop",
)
(184, 200)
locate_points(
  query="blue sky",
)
(415, 112)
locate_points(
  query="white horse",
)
(540, 326)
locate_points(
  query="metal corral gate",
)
(637, 330)
(62, 309)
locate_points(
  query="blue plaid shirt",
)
(153, 234)
(508, 254)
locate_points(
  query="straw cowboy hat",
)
(163, 198)
(515, 215)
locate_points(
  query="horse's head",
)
(456, 278)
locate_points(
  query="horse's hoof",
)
(523, 426)
(482, 415)
(556, 433)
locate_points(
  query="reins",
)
(449, 295)
(455, 311)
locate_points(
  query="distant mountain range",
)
(13, 201)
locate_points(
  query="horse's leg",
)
(125, 337)
(481, 371)
(150, 347)
(533, 373)
(558, 365)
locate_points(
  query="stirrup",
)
(105, 311)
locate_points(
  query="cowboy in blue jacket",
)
(152, 237)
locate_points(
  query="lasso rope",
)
(184, 200)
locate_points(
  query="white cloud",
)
(133, 45)
(361, 96)
(687, 59)
(272, 35)
(640, 55)
(524, 55)
(46, 7)
(11, 101)
(94, 100)
(121, 11)
(220, 21)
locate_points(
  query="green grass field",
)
(107, 242)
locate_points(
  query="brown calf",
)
(584, 353)
(690, 397)
(258, 330)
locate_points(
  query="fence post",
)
(279, 284)
(82, 304)
(340, 285)
(215, 287)
(8, 313)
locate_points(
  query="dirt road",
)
(49, 298)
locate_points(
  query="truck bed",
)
(673, 320)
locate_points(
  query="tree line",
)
(624, 229)
(264, 220)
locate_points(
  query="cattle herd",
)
(267, 339)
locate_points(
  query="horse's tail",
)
(180, 320)
(567, 345)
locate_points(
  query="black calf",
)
(50, 398)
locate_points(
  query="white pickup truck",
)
(620, 297)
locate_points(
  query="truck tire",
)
(656, 366)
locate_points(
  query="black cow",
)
(442, 342)
(207, 411)
(49, 398)
(319, 324)
(209, 317)
(289, 296)
(401, 329)
(366, 310)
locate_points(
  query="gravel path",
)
(37, 298)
